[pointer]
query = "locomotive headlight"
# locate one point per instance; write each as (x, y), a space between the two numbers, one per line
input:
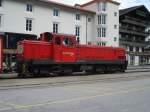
(20, 49)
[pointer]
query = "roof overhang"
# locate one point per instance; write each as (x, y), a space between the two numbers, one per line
(68, 6)
(94, 1)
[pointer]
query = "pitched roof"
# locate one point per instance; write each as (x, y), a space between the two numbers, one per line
(67, 6)
(124, 11)
(93, 1)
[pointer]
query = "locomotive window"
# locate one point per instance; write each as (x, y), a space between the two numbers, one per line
(50, 37)
(70, 42)
(67, 42)
(57, 40)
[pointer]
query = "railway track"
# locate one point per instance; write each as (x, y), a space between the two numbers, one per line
(83, 79)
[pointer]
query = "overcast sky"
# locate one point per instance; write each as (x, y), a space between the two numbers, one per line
(124, 3)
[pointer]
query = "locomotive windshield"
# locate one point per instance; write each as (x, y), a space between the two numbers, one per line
(67, 41)
(59, 39)
(48, 37)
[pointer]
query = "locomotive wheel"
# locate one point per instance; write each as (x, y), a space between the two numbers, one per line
(62, 70)
(93, 71)
(122, 69)
(64, 73)
(20, 75)
(24, 71)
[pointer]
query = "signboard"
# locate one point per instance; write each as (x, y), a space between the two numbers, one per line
(1, 54)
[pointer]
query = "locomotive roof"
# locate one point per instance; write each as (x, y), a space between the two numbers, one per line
(35, 42)
(60, 34)
(104, 47)
(65, 34)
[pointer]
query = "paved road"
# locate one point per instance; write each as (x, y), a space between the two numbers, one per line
(121, 95)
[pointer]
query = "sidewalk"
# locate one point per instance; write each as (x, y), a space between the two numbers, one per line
(8, 75)
(139, 67)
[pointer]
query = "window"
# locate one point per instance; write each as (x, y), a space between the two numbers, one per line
(115, 26)
(77, 32)
(99, 19)
(89, 19)
(143, 49)
(29, 8)
(55, 27)
(115, 13)
(101, 43)
(0, 3)
(48, 37)
(0, 21)
(101, 32)
(67, 42)
(131, 48)
(115, 39)
(102, 6)
(132, 60)
(78, 17)
(102, 19)
(29, 24)
(137, 49)
(120, 25)
(56, 12)
(57, 41)
(120, 36)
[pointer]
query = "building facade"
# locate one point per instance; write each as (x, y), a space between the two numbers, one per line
(106, 25)
(133, 34)
(96, 22)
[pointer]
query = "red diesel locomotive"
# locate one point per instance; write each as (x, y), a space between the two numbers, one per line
(60, 53)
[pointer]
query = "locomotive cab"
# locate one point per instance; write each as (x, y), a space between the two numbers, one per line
(64, 46)
(47, 37)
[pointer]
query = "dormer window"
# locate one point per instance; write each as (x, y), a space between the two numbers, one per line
(56, 12)
(102, 6)
(29, 8)
(78, 17)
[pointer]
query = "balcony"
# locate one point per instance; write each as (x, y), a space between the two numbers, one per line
(135, 21)
(129, 30)
(132, 42)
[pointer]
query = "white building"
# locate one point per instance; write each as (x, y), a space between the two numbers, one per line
(35, 17)
(96, 22)
(106, 22)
